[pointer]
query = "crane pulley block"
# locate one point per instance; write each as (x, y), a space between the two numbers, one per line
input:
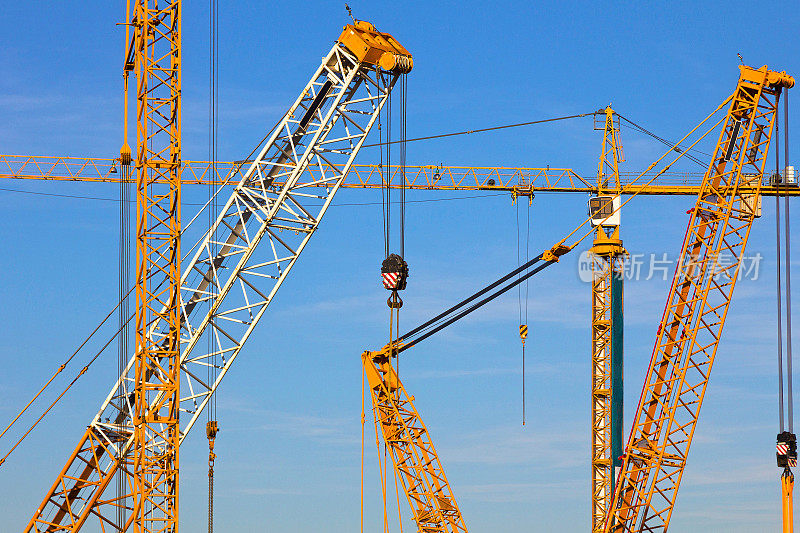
(376, 48)
(786, 450)
(394, 272)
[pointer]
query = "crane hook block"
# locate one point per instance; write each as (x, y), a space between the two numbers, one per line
(394, 272)
(786, 450)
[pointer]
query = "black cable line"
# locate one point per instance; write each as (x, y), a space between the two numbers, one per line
(482, 130)
(351, 204)
(778, 275)
(667, 143)
(787, 257)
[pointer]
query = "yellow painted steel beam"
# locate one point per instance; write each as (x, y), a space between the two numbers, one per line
(606, 257)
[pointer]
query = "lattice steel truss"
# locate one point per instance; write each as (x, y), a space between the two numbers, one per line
(604, 267)
(235, 272)
(606, 257)
(675, 384)
(413, 455)
(153, 473)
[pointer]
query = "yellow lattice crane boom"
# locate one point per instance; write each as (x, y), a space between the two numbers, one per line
(414, 457)
(702, 287)
(233, 274)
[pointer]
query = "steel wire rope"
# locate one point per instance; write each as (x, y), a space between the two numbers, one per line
(788, 256)
(778, 284)
(213, 144)
(66, 389)
(664, 141)
(482, 130)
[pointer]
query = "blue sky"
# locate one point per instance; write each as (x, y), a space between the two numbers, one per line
(289, 410)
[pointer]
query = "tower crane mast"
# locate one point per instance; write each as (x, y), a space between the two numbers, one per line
(240, 262)
(151, 469)
(701, 291)
(606, 256)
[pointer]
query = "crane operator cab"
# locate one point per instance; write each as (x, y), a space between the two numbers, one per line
(604, 211)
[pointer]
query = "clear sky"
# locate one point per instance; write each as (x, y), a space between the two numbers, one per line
(289, 446)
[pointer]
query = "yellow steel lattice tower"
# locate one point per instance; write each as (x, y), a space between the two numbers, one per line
(701, 291)
(606, 257)
(157, 49)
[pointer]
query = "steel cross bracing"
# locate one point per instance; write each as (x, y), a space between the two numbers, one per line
(258, 236)
(701, 291)
(153, 464)
(413, 456)
(606, 256)
(604, 267)
(370, 176)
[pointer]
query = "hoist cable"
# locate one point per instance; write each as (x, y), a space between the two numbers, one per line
(527, 254)
(778, 285)
(523, 319)
(213, 213)
(403, 136)
(124, 285)
(519, 305)
(384, 186)
(363, 421)
(527, 287)
(788, 257)
(519, 260)
(389, 176)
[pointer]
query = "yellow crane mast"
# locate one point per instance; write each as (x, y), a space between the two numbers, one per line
(606, 259)
(414, 457)
(151, 465)
(698, 302)
(156, 429)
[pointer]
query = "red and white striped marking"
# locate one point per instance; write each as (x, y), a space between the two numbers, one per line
(390, 279)
(782, 448)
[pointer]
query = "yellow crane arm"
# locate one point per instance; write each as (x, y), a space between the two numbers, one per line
(413, 455)
(104, 170)
(522, 181)
(691, 326)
